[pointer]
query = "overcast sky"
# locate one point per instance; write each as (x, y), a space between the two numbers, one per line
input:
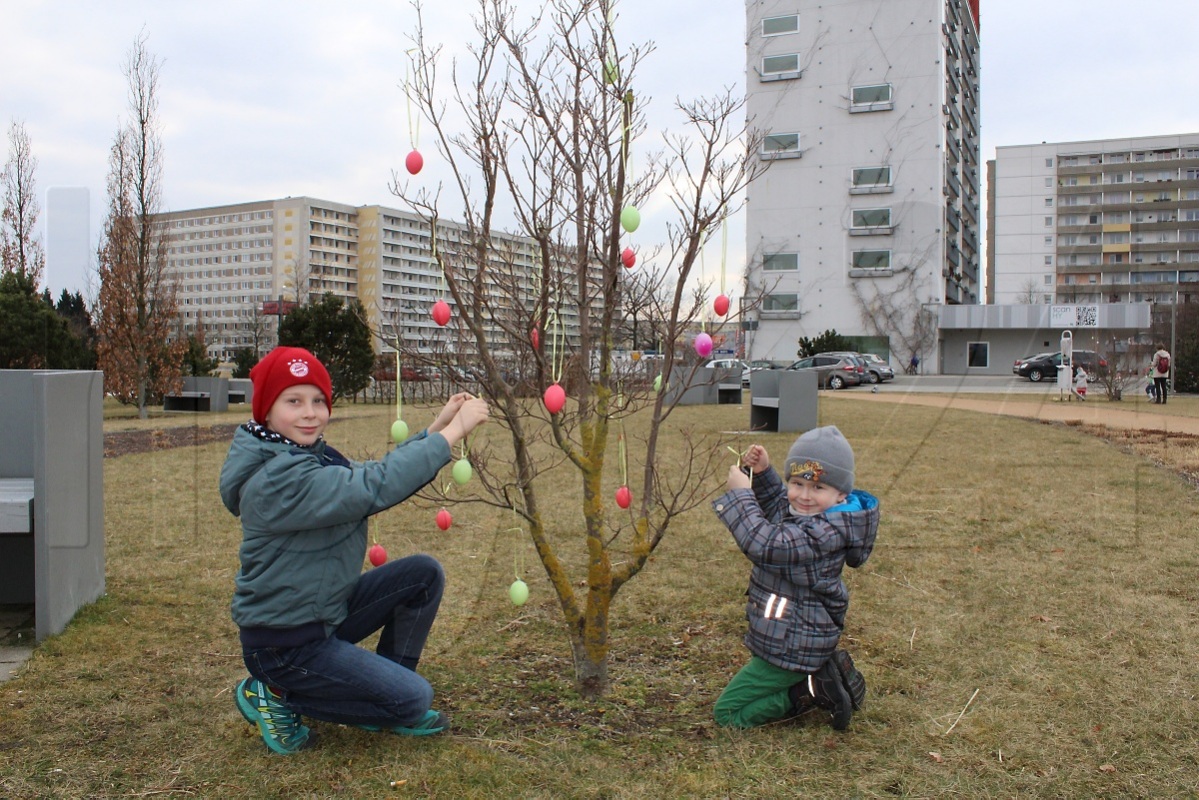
(261, 99)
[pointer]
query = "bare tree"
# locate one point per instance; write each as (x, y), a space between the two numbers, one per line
(1028, 292)
(21, 251)
(139, 352)
(551, 114)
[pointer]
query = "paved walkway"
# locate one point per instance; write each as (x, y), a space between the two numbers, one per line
(1024, 399)
(13, 619)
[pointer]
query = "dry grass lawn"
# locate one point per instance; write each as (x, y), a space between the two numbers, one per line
(1026, 626)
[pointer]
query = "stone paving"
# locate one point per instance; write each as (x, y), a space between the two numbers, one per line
(16, 626)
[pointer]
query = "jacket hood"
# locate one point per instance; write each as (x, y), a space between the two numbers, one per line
(247, 455)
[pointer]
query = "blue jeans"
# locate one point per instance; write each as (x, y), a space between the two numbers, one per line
(337, 681)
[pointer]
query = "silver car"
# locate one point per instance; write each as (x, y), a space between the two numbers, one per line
(832, 372)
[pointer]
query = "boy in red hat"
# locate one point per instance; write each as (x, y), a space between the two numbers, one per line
(302, 602)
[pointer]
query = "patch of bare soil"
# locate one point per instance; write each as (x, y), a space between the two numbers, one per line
(123, 443)
(1172, 450)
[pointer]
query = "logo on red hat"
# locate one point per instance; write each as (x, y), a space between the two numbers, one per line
(297, 367)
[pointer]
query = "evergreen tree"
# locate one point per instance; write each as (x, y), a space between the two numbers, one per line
(337, 334)
(34, 336)
(828, 342)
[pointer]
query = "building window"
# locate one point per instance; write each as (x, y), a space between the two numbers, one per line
(1049, 261)
(781, 262)
(1049, 162)
(1048, 280)
(978, 354)
(1048, 202)
(777, 26)
(781, 66)
(875, 97)
(870, 180)
(872, 218)
(780, 302)
(781, 145)
(1048, 222)
(1049, 241)
(871, 259)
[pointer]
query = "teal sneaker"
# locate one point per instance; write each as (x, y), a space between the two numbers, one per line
(279, 725)
(432, 722)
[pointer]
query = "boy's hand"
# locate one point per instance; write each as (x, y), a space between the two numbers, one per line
(757, 459)
(449, 411)
(738, 479)
(471, 414)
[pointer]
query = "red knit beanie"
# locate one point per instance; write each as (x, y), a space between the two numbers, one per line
(284, 367)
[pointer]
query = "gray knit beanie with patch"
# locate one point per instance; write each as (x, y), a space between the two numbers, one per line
(822, 455)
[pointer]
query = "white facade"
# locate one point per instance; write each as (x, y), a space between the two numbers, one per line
(868, 216)
(1106, 221)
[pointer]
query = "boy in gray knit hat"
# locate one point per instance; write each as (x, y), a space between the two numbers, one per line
(799, 535)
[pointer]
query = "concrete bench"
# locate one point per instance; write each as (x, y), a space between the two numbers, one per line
(16, 505)
(783, 400)
(51, 493)
(187, 401)
(699, 386)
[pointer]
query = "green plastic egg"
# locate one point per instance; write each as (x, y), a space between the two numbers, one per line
(462, 471)
(611, 73)
(630, 218)
(399, 431)
(658, 383)
(518, 592)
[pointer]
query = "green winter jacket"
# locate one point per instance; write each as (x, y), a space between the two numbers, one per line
(304, 522)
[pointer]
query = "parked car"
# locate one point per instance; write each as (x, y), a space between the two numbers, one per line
(858, 362)
(874, 369)
(880, 371)
(832, 372)
(765, 363)
(1045, 365)
(732, 363)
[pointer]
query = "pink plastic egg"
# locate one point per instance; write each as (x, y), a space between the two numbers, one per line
(414, 162)
(555, 398)
(441, 312)
(624, 497)
(703, 345)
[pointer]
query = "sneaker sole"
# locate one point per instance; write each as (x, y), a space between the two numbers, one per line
(245, 706)
(430, 717)
(251, 715)
(853, 680)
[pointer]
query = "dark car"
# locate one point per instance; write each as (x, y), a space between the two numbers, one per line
(832, 372)
(1045, 365)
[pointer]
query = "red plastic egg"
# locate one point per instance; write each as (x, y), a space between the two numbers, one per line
(721, 305)
(555, 398)
(414, 162)
(628, 258)
(377, 555)
(444, 520)
(624, 497)
(441, 312)
(535, 336)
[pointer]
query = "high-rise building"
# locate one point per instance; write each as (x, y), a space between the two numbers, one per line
(240, 268)
(868, 216)
(1110, 221)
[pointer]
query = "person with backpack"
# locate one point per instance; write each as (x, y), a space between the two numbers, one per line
(1159, 371)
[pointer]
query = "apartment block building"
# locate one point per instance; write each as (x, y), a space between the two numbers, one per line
(240, 268)
(868, 218)
(1105, 221)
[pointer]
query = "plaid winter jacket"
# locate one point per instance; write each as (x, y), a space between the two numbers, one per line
(797, 601)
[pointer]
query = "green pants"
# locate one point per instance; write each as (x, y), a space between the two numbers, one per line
(757, 694)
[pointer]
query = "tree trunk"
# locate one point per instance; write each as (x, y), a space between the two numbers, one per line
(591, 671)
